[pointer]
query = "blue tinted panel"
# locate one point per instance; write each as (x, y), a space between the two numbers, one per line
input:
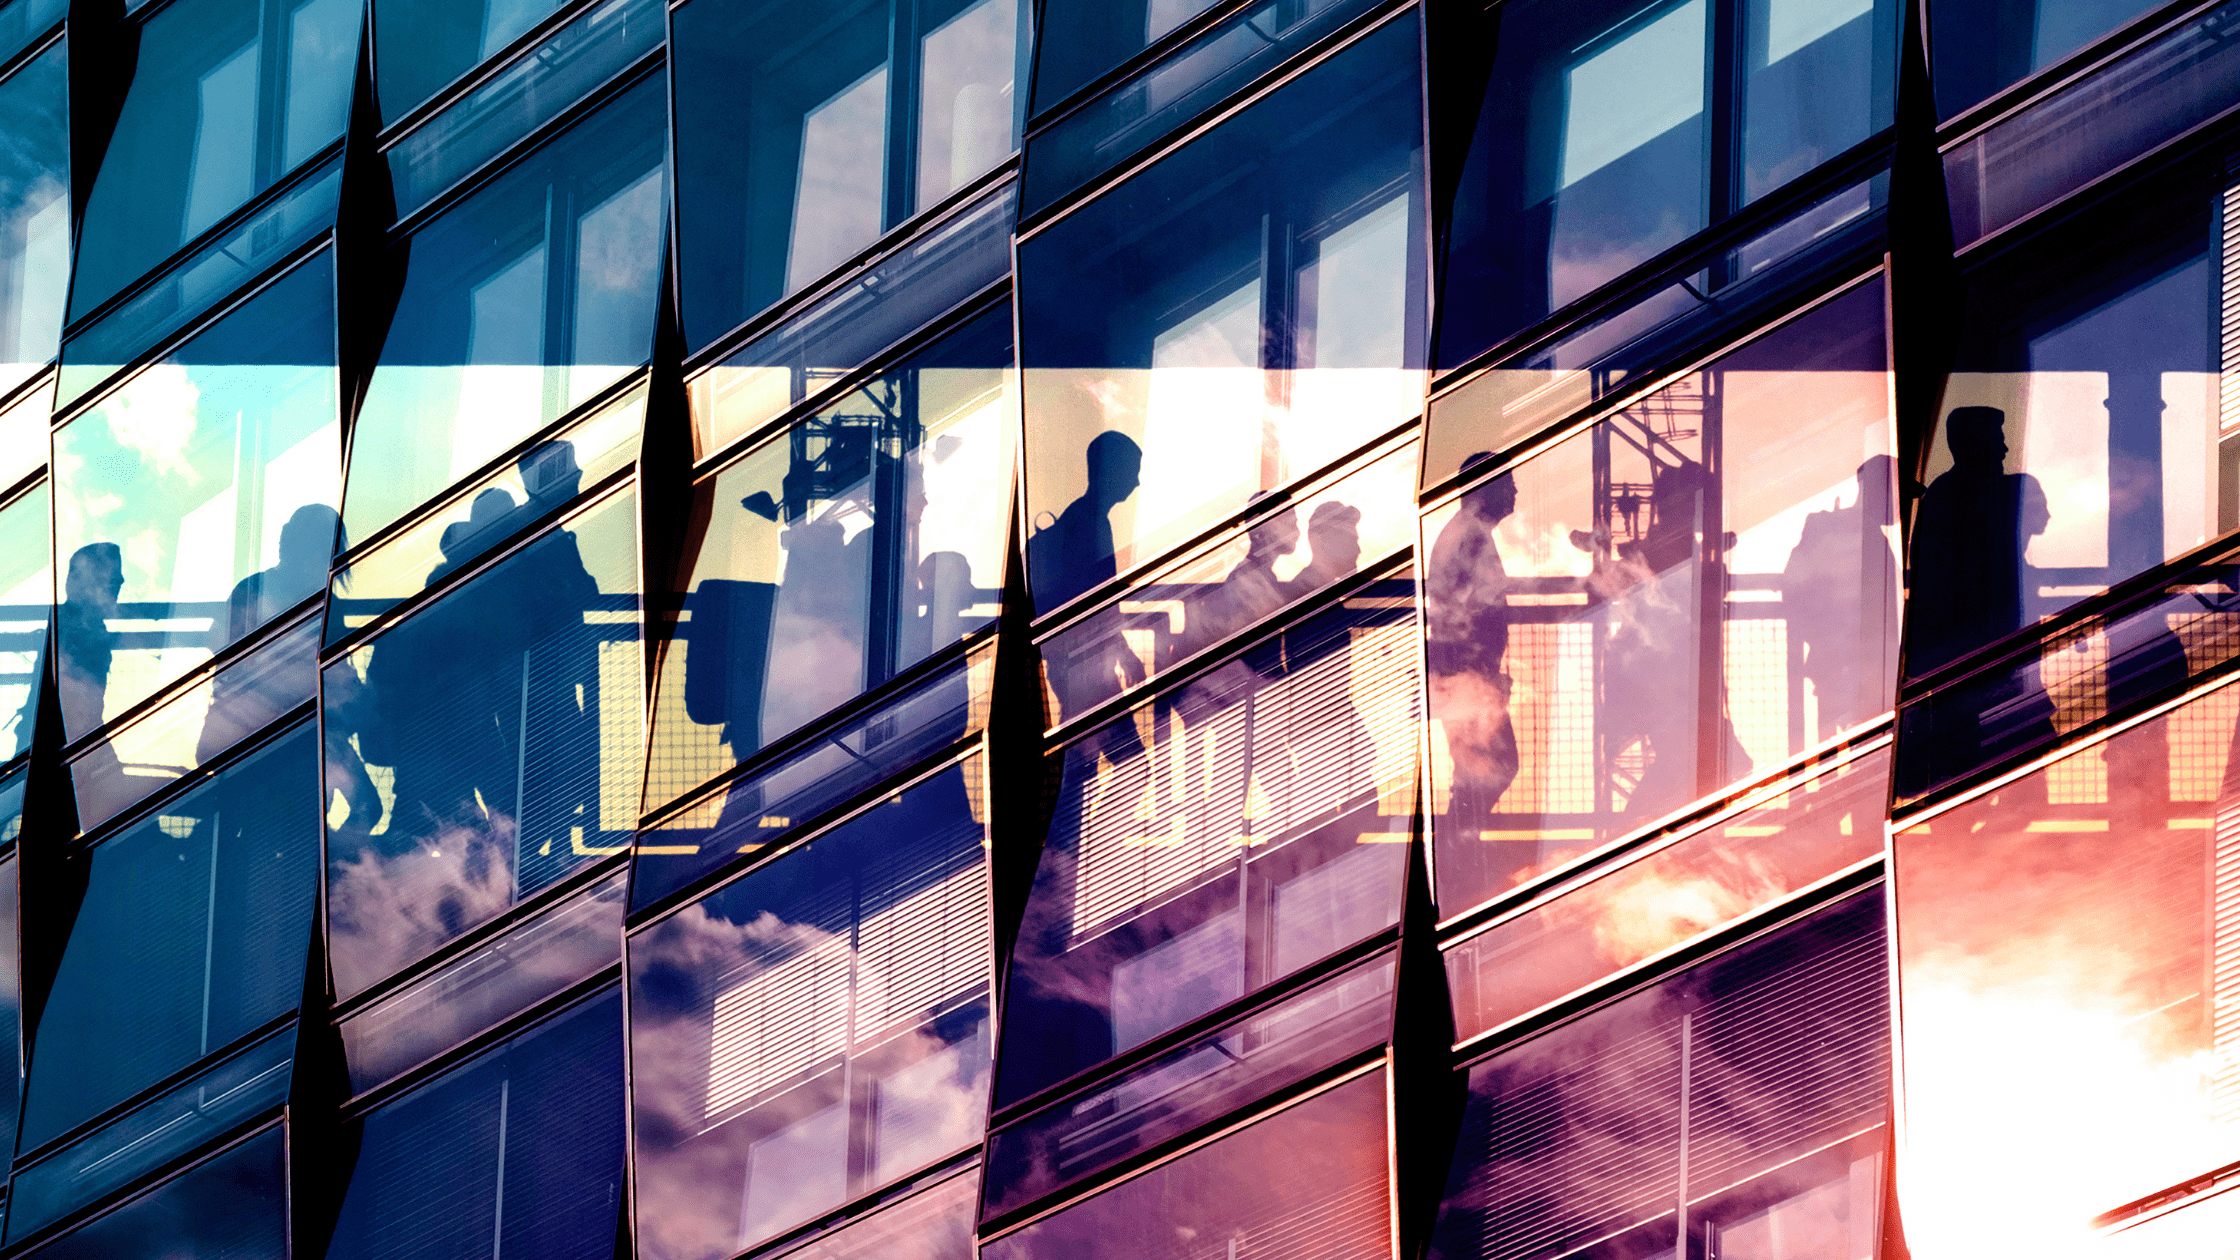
(1977, 47)
(196, 502)
(231, 1208)
(1082, 39)
(514, 1155)
(1219, 841)
(801, 136)
(519, 303)
(11, 805)
(191, 934)
(34, 207)
(862, 540)
(421, 45)
(11, 965)
(23, 21)
(815, 1030)
(1243, 314)
(26, 595)
(484, 747)
(227, 97)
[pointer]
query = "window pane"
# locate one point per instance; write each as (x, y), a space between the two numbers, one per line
(232, 1208)
(34, 214)
(1219, 841)
(196, 502)
(1979, 46)
(515, 1155)
(484, 747)
(861, 541)
(1600, 658)
(2061, 938)
(1813, 86)
(1329, 1201)
(1235, 318)
(11, 967)
(191, 934)
(933, 1225)
(1082, 39)
(1745, 1101)
(26, 589)
(23, 433)
(964, 117)
(2079, 439)
(26, 20)
(213, 118)
(422, 45)
(519, 304)
(815, 1030)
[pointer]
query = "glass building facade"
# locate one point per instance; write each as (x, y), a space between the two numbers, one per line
(1119, 629)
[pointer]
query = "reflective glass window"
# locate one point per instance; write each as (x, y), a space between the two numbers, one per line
(1744, 1102)
(23, 433)
(1219, 840)
(11, 976)
(935, 1224)
(816, 1029)
(804, 132)
(1702, 584)
(2079, 436)
(862, 540)
(24, 21)
(233, 1207)
(1310, 1180)
(2065, 936)
(1977, 47)
(1608, 135)
(484, 747)
(514, 1155)
(519, 304)
(1238, 316)
(1082, 39)
(421, 45)
(196, 501)
(11, 803)
(191, 934)
(34, 212)
(26, 586)
(227, 97)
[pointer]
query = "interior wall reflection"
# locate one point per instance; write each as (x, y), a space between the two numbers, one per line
(484, 747)
(196, 501)
(1977, 47)
(1612, 131)
(227, 97)
(1700, 585)
(1234, 318)
(805, 133)
(34, 214)
(421, 45)
(519, 304)
(235, 1204)
(26, 587)
(1217, 840)
(815, 1030)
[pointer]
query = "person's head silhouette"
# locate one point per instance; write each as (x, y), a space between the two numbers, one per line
(1334, 531)
(549, 472)
(1874, 490)
(1495, 501)
(95, 577)
(1977, 437)
(307, 540)
(1115, 467)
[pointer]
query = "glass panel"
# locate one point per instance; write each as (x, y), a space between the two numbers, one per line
(252, 1081)
(11, 965)
(528, 964)
(2079, 439)
(849, 327)
(24, 21)
(421, 45)
(1216, 841)
(1202, 1081)
(537, 87)
(201, 494)
(2061, 938)
(515, 1154)
(481, 516)
(213, 118)
(1743, 1102)
(175, 298)
(484, 747)
(935, 1224)
(1667, 896)
(760, 810)
(1318, 536)
(196, 725)
(2091, 127)
(34, 208)
(11, 810)
(1082, 39)
(1331, 1198)
(799, 141)
(1602, 654)
(1129, 118)
(2208, 1230)
(864, 539)
(232, 1208)
(1979, 46)
(26, 587)
(23, 433)
(816, 1029)
(1815, 82)
(1235, 318)
(191, 935)
(1508, 404)
(519, 304)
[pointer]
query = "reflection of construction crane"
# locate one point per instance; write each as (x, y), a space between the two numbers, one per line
(1655, 426)
(835, 452)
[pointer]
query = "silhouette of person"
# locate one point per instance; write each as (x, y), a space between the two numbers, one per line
(492, 511)
(1247, 593)
(1839, 592)
(307, 546)
(1466, 598)
(1974, 525)
(86, 646)
(1076, 553)
(1334, 544)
